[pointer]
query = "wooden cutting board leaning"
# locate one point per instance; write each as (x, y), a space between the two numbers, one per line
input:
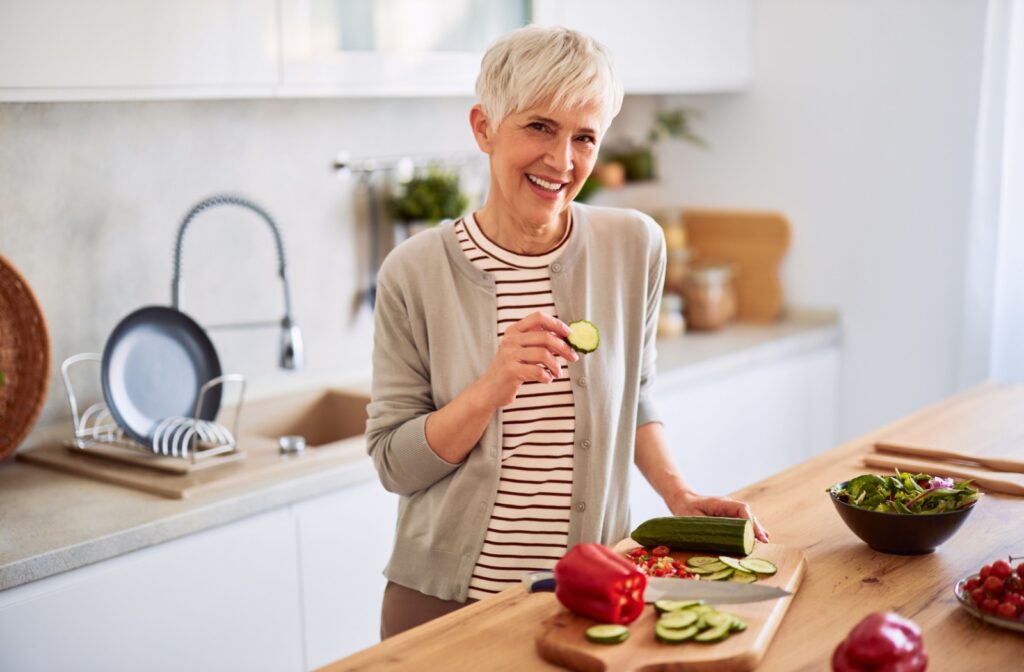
(561, 640)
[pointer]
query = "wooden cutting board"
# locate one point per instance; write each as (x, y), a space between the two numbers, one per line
(989, 423)
(754, 243)
(560, 639)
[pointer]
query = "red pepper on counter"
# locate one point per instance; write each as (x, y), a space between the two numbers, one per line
(594, 581)
(881, 643)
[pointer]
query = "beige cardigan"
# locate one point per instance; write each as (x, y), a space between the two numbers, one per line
(435, 334)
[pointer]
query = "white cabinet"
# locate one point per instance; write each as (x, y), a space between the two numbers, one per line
(223, 599)
(736, 429)
(344, 539)
(667, 46)
(123, 49)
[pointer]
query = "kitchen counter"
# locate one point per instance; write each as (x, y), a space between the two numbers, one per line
(52, 522)
(845, 579)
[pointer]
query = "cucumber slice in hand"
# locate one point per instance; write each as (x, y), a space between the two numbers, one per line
(607, 633)
(583, 336)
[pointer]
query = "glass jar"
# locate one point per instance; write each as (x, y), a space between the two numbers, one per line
(710, 300)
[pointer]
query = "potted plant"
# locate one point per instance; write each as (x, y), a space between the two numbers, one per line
(638, 159)
(426, 199)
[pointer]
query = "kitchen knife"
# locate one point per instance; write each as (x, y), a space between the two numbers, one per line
(661, 588)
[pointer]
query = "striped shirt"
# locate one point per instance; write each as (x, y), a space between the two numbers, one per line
(529, 525)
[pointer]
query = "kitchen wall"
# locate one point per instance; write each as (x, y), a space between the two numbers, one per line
(860, 127)
(92, 195)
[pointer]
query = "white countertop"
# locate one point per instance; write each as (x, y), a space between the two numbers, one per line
(51, 522)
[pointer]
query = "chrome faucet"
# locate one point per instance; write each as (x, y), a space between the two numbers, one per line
(291, 338)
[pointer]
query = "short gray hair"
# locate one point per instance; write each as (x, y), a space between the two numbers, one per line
(537, 63)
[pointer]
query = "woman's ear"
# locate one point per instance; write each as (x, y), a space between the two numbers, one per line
(481, 126)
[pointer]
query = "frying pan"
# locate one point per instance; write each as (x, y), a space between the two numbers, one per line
(154, 363)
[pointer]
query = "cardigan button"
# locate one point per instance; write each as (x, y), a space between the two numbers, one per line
(581, 506)
(556, 267)
(582, 381)
(585, 443)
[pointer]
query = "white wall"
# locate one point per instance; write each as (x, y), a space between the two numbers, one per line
(91, 195)
(860, 127)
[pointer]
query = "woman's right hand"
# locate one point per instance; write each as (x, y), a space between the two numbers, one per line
(528, 351)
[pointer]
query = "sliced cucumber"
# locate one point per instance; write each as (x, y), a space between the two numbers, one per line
(703, 609)
(715, 633)
(671, 636)
(701, 561)
(666, 606)
(738, 624)
(679, 619)
(732, 562)
(713, 619)
(743, 577)
(758, 565)
(583, 337)
(720, 575)
(709, 568)
(607, 633)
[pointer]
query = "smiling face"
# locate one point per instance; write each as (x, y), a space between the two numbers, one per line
(539, 159)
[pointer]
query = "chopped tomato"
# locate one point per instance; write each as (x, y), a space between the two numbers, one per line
(660, 551)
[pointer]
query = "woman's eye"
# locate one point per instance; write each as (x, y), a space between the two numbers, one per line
(539, 126)
(589, 139)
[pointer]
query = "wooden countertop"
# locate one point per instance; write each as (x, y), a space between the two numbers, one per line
(845, 579)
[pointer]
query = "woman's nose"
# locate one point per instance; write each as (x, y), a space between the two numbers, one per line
(560, 155)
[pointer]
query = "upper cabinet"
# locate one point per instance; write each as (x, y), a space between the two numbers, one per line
(125, 49)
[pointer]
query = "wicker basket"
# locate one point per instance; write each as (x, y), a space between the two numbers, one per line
(24, 358)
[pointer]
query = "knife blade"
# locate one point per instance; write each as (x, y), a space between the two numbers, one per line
(661, 588)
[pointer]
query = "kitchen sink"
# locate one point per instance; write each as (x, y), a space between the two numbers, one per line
(323, 417)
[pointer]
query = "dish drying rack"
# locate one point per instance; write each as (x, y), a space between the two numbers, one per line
(180, 444)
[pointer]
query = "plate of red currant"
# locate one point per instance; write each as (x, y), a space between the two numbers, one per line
(995, 594)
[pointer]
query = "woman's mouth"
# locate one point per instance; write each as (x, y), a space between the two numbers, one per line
(545, 188)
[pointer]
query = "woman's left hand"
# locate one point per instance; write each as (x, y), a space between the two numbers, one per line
(692, 504)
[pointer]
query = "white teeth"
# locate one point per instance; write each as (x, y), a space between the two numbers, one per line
(550, 186)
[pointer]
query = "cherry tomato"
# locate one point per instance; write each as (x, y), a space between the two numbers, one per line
(978, 595)
(1007, 610)
(662, 551)
(1001, 568)
(989, 605)
(1020, 570)
(639, 550)
(994, 585)
(971, 584)
(985, 571)
(1016, 599)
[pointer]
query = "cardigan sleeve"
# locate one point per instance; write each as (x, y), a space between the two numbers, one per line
(655, 286)
(401, 399)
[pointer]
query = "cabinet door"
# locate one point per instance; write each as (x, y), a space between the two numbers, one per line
(345, 541)
(729, 432)
(223, 599)
(390, 47)
(669, 46)
(120, 49)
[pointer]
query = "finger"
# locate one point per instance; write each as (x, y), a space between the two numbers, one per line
(533, 373)
(745, 512)
(547, 340)
(543, 357)
(542, 321)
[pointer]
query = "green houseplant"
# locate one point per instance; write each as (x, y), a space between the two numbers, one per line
(429, 198)
(638, 159)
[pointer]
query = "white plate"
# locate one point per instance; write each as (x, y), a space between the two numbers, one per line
(967, 603)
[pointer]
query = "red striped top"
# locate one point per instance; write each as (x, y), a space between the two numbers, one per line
(529, 525)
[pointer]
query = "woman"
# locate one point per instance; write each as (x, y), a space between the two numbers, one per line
(506, 446)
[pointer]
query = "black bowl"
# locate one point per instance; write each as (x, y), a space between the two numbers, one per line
(900, 533)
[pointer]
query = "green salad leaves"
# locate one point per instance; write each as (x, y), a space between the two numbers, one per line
(906, 493)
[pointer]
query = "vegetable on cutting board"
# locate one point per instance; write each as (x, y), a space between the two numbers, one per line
(881, 641)
(697, 533)
(583, 336)
(593, 580)
(696, 623)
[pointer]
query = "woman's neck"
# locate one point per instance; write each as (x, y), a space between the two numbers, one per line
(518, 236)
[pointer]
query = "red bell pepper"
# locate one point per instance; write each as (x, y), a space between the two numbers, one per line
(594, 581)
(881, 643)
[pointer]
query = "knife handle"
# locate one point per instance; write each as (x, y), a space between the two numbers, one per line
(537, 582)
